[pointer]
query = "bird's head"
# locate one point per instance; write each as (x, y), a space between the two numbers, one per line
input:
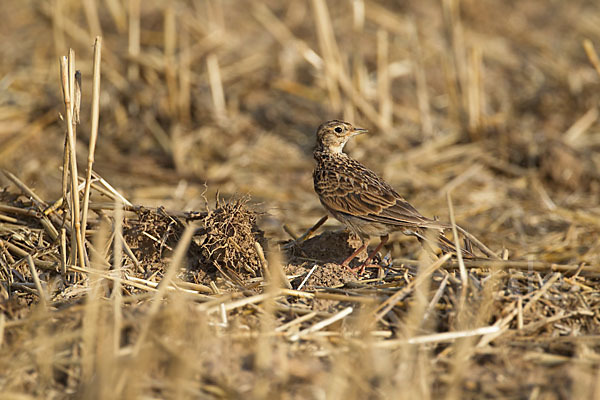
(333, 135)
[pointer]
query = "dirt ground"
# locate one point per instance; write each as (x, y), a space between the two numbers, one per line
(193, 271)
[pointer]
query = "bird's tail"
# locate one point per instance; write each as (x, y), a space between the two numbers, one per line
(431, 238)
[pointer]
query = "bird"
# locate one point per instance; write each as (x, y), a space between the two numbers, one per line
(358, 198)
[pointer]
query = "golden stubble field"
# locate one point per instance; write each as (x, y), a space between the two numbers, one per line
(185, 266)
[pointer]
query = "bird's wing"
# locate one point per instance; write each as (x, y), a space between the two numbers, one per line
(353, 189)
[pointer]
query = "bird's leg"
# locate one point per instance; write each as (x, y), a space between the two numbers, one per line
(357, 252)
(361, 268)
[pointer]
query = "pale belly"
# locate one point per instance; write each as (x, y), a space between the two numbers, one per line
(361, 227)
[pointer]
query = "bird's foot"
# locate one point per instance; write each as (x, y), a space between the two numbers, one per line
(357, 271)
(360, 270)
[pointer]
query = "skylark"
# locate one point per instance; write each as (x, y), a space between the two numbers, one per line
(357, 197)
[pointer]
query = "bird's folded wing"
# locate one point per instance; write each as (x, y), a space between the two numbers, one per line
(372, 203)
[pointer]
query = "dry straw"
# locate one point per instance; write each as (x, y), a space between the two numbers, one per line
(103, 297)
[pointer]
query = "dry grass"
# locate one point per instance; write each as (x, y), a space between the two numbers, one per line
(111, 288)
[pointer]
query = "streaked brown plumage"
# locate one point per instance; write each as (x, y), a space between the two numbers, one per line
(358, 198)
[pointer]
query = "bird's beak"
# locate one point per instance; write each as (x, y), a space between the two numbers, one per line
(360, 131)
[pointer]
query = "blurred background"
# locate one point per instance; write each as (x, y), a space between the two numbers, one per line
(493, 101)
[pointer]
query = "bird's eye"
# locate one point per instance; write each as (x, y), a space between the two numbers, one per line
(338, 130)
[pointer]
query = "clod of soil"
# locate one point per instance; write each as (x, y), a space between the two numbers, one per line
(230, 237)
(328, 250)
(328, 247)
(225, 242)
(152, 235)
